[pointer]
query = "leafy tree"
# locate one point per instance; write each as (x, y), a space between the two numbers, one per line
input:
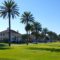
(59, 37)
(24, 37)
(9, 10)
(53, 36)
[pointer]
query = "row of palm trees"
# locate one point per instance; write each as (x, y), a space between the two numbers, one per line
(10, 10)
(30, 24)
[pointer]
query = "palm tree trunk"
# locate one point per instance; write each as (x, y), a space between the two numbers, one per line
(36, 37)
(27, 34)
(9, 30)
(27, 38)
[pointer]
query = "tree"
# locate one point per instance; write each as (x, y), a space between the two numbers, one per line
(59, 37)
(36, 28)
(27, 18)
(10, 10)
(44, 32)
(53, 36)
(24, 37)
(28, 28)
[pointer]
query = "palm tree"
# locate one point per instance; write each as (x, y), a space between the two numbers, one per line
(9, 9)
(36, 28)
(27, 18)
(28, 28)
(45, 33)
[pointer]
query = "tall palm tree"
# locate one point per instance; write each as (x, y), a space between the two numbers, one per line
(27, 18)
(36, 28)
(10, 10)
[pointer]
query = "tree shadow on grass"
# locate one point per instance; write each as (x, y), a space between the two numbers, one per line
(4, 47)
(46, 49)
(6, 59)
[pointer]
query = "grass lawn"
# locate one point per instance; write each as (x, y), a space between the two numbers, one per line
(47, 51)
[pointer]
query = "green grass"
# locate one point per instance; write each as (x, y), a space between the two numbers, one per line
(47, 51)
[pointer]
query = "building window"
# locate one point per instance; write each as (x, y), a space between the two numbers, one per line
(0, 34)
(3, 34)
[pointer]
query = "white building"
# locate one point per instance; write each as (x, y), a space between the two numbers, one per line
(15, 36)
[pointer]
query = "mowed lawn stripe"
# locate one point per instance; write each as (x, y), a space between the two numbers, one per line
(42, 51)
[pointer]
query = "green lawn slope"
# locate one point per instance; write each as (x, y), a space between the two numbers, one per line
(42, 51)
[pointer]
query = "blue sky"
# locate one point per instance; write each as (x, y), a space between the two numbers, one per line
(47, 12)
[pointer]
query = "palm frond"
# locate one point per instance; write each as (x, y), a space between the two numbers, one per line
(27, 17)
(9, 7)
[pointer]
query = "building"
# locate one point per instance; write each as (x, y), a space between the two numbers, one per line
(15, 36)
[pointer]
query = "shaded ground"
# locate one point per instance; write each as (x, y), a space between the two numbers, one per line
(5, 59)
(47, 49)
(4, 46)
